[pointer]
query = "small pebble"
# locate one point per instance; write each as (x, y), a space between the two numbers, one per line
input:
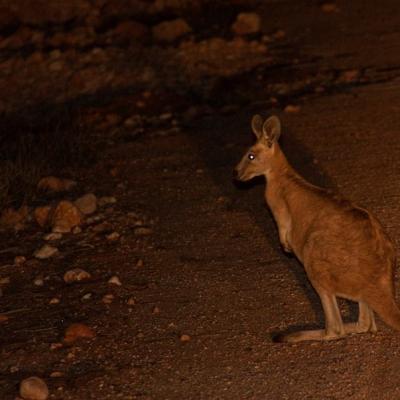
(290, 108)
(143, 231)
(3, 318)
(86, 296)
(113, 236)
(156, 310)
(106, 200)
(38, 282)
(165, 116)
(19, 260)
(54, 300)
(185, 338)
(108, 298)
(56, 374)
(114, 280)
(140, 263)
(78, 331)
(329, 7)
(131, 301)
(4, 281)
(76, 275)
(56, 346)
(52, 236)
(45, 251)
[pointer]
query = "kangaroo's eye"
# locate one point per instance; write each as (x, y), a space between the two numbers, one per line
(251, 156)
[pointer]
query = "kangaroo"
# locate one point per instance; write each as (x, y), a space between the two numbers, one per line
(343, 248)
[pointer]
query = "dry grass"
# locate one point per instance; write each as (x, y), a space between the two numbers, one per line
(41, 142)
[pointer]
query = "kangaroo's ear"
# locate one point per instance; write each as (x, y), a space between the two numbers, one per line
(272, 130)
(257, 125)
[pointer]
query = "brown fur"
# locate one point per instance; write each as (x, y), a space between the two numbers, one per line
(343, 248)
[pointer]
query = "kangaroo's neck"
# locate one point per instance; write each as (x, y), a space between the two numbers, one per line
(282, 182)
(279, 170)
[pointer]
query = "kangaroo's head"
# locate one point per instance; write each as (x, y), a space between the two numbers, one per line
(258, 159)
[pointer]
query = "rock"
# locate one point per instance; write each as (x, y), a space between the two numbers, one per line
(54, 300)
(130, 32)
(45, 251)
(114, 280)
(49, 237)
(3, 318)
(86, 297)
(53, 184)
(290, 108)
(246, 24)
(41, 215)
(165, 116)
(33, 388)
(56, 346)
(131, 301)
(19, 260)
(170, 31)
(76, 275)
(105, 200)
(78, 331)
(113, 236)
(143, 231)
(279, 34)
(102, 227)
(108, 298)
(156, 310)
(57, 374)
(329, 8)
(38, 281)
(5, 281)
(87, 204)
(140, 263)
(185, 338)
(65, 217)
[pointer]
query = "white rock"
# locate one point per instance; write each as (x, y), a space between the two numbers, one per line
(87, 204)
(76, 275)
(86, 296)
(114, 280)
(33, 388)
(38, 282)
(45, 251)
(52, 236)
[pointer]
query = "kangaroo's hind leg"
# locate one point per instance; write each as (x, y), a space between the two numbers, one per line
(366, 320)
(334, 328)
